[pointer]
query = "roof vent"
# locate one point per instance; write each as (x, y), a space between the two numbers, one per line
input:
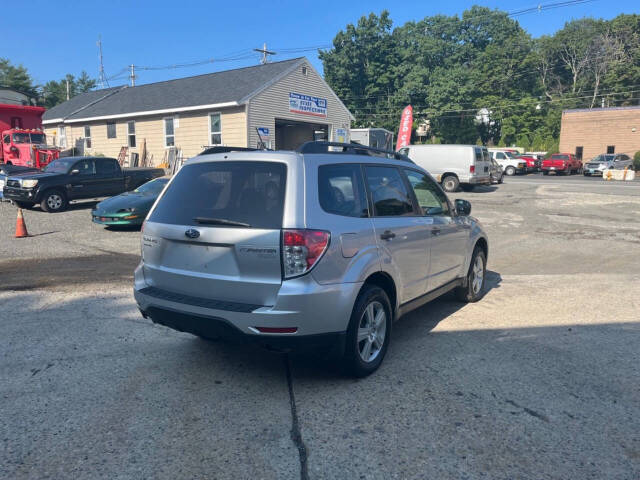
(305, 70)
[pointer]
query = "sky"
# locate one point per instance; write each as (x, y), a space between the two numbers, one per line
(61, 37)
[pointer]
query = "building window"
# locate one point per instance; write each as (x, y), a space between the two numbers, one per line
(87, 136)
(579, 153)
(305, 71)
(215, 129)
(169, 133)
(62, 137)
(131, 133)
(611, 149)
(111, 129)
(16, 122)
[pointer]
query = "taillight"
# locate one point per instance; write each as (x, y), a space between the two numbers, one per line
(301, 249)
(472, 169)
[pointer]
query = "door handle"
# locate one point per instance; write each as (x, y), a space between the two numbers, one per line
(387, 235)
(435, 231)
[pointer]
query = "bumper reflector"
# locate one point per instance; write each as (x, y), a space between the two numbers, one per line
(277, 329)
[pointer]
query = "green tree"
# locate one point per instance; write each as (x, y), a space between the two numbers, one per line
(55, 92)
(17, 77)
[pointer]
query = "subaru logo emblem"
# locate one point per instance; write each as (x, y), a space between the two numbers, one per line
(192, 233)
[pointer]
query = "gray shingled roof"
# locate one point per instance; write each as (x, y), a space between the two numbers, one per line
(212, 88)
(67, 108)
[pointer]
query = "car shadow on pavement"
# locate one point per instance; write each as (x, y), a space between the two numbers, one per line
(481, 189)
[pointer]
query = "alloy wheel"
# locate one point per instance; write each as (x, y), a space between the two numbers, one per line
(54, 201)
(477, 275)
(372, 330)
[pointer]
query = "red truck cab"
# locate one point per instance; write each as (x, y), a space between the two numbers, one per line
(27, 148)
(565, 163)
(22, 141)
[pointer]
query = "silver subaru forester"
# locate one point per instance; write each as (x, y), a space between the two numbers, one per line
(324, 246)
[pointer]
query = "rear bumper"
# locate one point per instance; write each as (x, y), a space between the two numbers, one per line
(220, 328)
(480, 181)
(320, 313)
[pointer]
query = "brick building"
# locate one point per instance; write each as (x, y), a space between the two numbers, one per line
(589, 132)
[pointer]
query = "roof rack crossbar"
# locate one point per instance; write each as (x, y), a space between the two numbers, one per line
(353, 148)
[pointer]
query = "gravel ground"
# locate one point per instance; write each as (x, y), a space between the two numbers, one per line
(539, 380)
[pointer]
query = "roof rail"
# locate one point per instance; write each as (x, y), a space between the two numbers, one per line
(353, 148)
(225, 149)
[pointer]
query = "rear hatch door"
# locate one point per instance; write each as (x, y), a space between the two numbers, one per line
(215, 232)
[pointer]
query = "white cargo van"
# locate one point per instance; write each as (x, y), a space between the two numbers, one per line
(453, 165)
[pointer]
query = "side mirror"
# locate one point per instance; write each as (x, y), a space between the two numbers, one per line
(75, 171)
(463, 207)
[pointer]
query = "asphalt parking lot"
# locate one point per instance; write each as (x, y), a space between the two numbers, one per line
(539, 380)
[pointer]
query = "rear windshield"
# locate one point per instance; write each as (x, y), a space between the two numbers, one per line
(560, 157)
(244, 194)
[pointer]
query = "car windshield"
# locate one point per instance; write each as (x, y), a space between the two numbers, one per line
(154, 187)
(603, 158)
(38, 138)
(21, 138)
(59, 166)
(510, 155)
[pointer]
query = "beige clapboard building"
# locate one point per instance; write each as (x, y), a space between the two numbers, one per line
(282, 104)
(590, 132)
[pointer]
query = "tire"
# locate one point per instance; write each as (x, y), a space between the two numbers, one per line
(545, 172)
(510, 171)
(450, 183)
(54, 201)
(586, 174)
(473, 288)
(25, 205)
(501, 178)
(371, 301)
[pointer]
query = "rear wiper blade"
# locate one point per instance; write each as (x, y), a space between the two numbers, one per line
(220, 221)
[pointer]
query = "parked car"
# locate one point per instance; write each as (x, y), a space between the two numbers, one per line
(129, 208)
(299, 250)
(497, 173)
(533, 163)
(565, 163)
(7, 169)
(617, 161)
(509, 162)
(453, 166)
(74, 178)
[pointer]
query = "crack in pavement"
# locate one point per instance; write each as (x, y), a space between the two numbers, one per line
(296, 434)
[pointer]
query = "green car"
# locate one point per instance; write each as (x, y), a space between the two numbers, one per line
(129, 208)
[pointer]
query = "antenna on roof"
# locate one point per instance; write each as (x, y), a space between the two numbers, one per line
(264, 53)
(102, 78)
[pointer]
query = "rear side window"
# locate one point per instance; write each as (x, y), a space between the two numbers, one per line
(479, 157)
(106, 166)
(341, 190)
(224, 193)
(388, 192)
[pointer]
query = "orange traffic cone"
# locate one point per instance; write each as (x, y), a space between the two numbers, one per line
(21, 227)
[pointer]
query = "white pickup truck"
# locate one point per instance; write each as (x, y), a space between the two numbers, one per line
(508, 161)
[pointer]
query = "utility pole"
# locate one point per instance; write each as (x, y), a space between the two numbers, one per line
(67, 89)
(102, 79)
(132, 75)
(264, 53)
